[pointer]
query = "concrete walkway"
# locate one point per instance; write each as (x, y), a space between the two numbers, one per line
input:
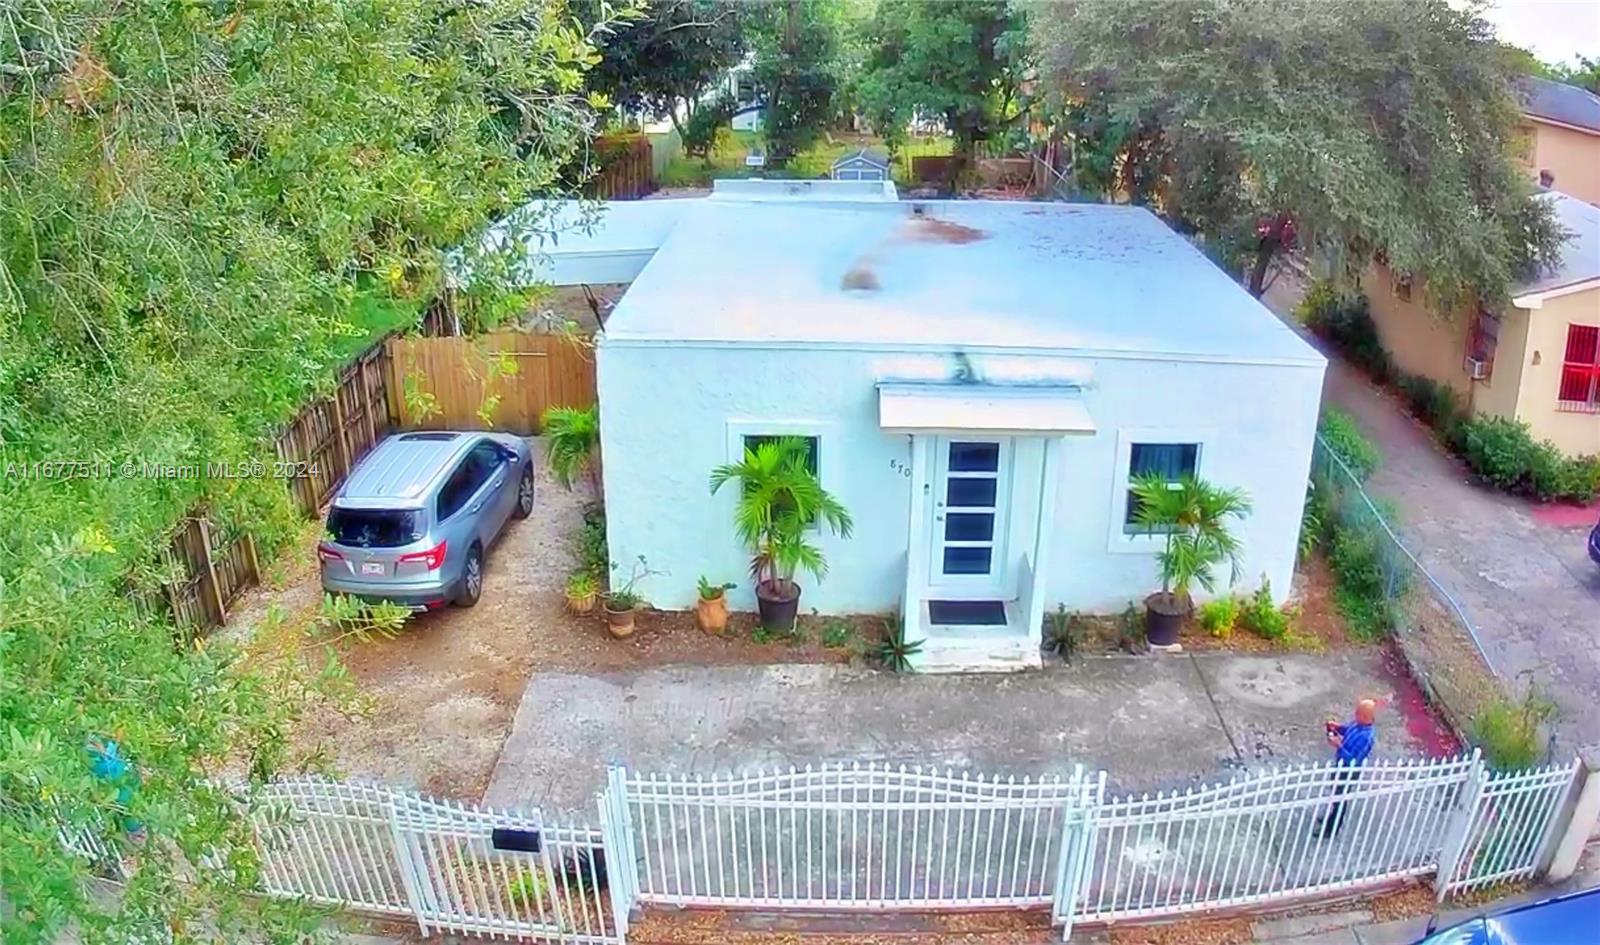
(1151, 722)
(1529, 587)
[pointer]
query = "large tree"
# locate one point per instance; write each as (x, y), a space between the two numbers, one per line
(962, 61)
(670, 58)
(800, 48)
(1360, 125)
(191, 193)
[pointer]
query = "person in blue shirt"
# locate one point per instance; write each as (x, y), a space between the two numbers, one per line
(1352, 744)
(108, 764)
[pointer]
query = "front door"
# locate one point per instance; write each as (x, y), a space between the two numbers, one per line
(972, 480)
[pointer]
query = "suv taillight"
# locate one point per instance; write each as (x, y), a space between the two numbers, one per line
(432, 559)
(328, 554)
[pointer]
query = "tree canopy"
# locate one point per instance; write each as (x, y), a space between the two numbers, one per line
(962, 61)
(1361, 125)
(192, 196)
(665, 61)
(800, 48)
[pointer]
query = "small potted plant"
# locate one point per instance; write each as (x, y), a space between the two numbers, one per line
(711, 609)
(624, 600)
(780, 502)
(583, 589)
(621, 605)
(1193, 515)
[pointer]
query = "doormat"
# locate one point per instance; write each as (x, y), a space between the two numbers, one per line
(967, 613)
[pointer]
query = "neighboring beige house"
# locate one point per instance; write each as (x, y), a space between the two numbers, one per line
(1538, 360)
(1561, 144)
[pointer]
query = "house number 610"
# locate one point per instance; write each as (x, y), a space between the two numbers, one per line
(900, 468)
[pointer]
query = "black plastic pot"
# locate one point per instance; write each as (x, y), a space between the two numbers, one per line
(1163, 618)
(778, 605)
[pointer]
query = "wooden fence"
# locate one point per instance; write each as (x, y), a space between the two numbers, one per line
(211, 568)
(508, 378)
(329, 435)
(626, 171)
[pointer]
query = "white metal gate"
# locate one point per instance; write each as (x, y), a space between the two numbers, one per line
(450, 867)
(851, 838)
(1512, 822)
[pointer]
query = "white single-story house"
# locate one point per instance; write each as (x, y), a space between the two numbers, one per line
(978, 381)
(861, 164)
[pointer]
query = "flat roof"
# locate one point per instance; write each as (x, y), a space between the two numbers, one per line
(965, 274)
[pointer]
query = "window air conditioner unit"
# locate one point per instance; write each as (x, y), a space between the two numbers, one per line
(1477, 369)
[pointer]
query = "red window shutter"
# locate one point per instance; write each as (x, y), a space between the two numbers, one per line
(1582, 344)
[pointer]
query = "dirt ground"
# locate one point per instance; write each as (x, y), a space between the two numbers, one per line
(445, 689)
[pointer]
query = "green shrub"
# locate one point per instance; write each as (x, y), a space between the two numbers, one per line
(1313, 521)
(1343, 320)
(1503, 453)
(1509, 732)
(589, 546)
(1343, 436)
(1219, 615)
(836, 633)
(1355, 561)
(1318, 305)
(1436, 404)
(1261, 617)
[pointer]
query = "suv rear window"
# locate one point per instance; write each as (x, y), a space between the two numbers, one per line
(375, 528)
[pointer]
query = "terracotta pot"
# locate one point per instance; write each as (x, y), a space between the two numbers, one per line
(778, 605)
(582, 605)
(1163, 618)
(712, 615)
(619, 622)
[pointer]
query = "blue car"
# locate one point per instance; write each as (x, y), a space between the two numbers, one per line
(1594, 543)
(1564, 920)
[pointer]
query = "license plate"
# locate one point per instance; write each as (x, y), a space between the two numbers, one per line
(372, 567)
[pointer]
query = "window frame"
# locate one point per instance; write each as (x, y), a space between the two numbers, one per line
(1591, 404)
(823, 432)
(1140, 541)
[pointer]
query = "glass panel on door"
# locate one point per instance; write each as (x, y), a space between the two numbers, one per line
(968, 526)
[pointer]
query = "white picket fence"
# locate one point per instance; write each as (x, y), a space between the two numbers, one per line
(870, 837)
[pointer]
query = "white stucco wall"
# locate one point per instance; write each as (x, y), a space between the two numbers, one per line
(670, 412)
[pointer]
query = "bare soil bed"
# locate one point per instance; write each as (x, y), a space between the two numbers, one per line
(444, 691)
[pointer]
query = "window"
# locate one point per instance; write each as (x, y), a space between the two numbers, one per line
(1171, 461)
(754, 441)
(1580, 370)
(374, 528)
(468, 477)
(1484, 339)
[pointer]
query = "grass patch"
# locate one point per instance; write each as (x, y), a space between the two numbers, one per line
(1510, 732)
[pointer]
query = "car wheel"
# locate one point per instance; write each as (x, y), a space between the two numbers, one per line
(471, 578)
(524, 495)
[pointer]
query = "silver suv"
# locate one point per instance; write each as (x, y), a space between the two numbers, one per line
(411, 523)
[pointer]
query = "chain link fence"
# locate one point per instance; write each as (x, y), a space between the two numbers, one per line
(1385, 590)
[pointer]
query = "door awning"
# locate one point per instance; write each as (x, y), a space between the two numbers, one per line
(985, 408)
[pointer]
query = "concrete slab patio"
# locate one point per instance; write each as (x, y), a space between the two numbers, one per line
(1150, 722)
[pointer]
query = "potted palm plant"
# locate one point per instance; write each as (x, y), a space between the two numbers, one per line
(572, 444)
(1194, 517)
(780, 499)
